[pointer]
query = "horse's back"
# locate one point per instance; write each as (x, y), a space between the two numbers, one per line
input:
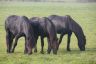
(11, 24)
(16, 24)
(43, 25)
(60, 22)
(11, 20)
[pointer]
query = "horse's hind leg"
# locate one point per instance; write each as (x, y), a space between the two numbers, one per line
(42, 45)
(68, 41)
(9, 40)
(15, 43)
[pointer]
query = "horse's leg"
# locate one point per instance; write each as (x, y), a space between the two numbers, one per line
(15, 43)
(35, 50)
(9, 40)
(29, 48)
(60, 40)
(42, 45)
(26, 50)
(29, 45)
(49, 46)
(68, 41)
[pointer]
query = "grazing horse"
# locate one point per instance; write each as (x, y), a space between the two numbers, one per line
(16, 27)
(66, 25)
(43, 27)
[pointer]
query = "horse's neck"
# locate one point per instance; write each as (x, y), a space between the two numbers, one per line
(77, 30)
(79, 34)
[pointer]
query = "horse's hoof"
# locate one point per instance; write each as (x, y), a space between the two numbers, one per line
(8, 51)
(82, 50)
(29, 53)
(35, 51)
(42, 52)
(48, 52)
(68, 50)
(25, 52)
(12, 51)
(54, 52)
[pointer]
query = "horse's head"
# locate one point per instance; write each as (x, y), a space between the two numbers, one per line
(55, 46)
(82, 43)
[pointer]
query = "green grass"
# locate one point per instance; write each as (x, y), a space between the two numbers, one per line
(83, 13)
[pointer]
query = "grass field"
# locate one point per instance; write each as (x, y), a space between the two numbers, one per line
(83, 13)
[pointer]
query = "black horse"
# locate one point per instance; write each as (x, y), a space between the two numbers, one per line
(66, 25)
(43, 27)
(16, 27)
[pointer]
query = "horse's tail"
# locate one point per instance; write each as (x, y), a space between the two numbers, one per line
(52, 30)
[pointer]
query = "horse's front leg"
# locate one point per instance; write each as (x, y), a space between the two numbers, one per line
(42, 45)
(29, 46)
(60, 40)
(25, 50)
(15, 43)
(49, 46)
(61, 37)
(35, 50)
(68, 41)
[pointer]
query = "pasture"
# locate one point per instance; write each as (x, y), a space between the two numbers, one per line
(83, 13)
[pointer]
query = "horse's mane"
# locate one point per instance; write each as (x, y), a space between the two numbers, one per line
(75, 27)
(72, 25)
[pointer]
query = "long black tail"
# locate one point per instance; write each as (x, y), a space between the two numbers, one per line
(52, 29)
